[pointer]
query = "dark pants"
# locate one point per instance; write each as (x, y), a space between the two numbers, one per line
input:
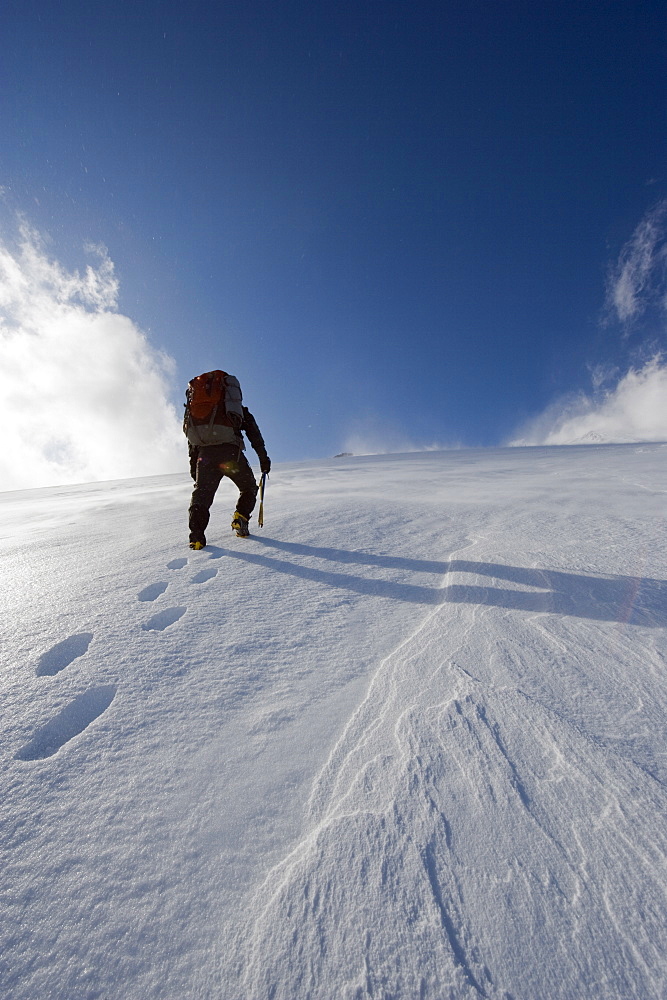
(213, 463)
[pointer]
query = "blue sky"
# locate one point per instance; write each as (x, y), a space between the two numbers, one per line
(389, 219)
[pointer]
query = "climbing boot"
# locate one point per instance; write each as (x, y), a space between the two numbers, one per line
(240, 525)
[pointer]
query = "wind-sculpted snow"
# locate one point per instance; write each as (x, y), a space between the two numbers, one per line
(470, 837)
(383, 749)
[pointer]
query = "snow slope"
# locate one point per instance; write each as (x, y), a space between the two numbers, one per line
(408, 741)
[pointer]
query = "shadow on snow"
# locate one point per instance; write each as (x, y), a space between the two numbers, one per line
(633, 600)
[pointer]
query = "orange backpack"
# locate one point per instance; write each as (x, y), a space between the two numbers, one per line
(213, 409)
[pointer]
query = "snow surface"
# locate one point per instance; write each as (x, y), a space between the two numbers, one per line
(408, 741)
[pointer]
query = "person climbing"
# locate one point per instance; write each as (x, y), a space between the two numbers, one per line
(215, 422)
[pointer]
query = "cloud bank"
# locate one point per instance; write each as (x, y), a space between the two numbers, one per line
(634, 410)
(83, 394)
(633, 406)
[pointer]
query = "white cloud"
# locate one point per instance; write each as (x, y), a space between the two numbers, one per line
(638, 279)
(634, 409)
(83, 394)
(630, 405)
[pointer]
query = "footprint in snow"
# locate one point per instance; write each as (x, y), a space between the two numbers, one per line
(163, 619)
(204, 575)
(177, 564)
(63, 653)
(152, 591)
(68, 723)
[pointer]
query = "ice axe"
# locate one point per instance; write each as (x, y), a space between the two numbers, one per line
(260, 516)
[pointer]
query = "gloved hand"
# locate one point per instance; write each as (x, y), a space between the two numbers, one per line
(265, 465)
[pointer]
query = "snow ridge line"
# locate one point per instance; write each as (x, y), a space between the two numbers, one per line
(449, 927)
(337, 761)
(329, 805)
(324, 789)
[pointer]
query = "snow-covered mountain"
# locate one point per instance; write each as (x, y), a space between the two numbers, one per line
(407, 741)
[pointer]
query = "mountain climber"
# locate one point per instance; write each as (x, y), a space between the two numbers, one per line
(209, 463)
